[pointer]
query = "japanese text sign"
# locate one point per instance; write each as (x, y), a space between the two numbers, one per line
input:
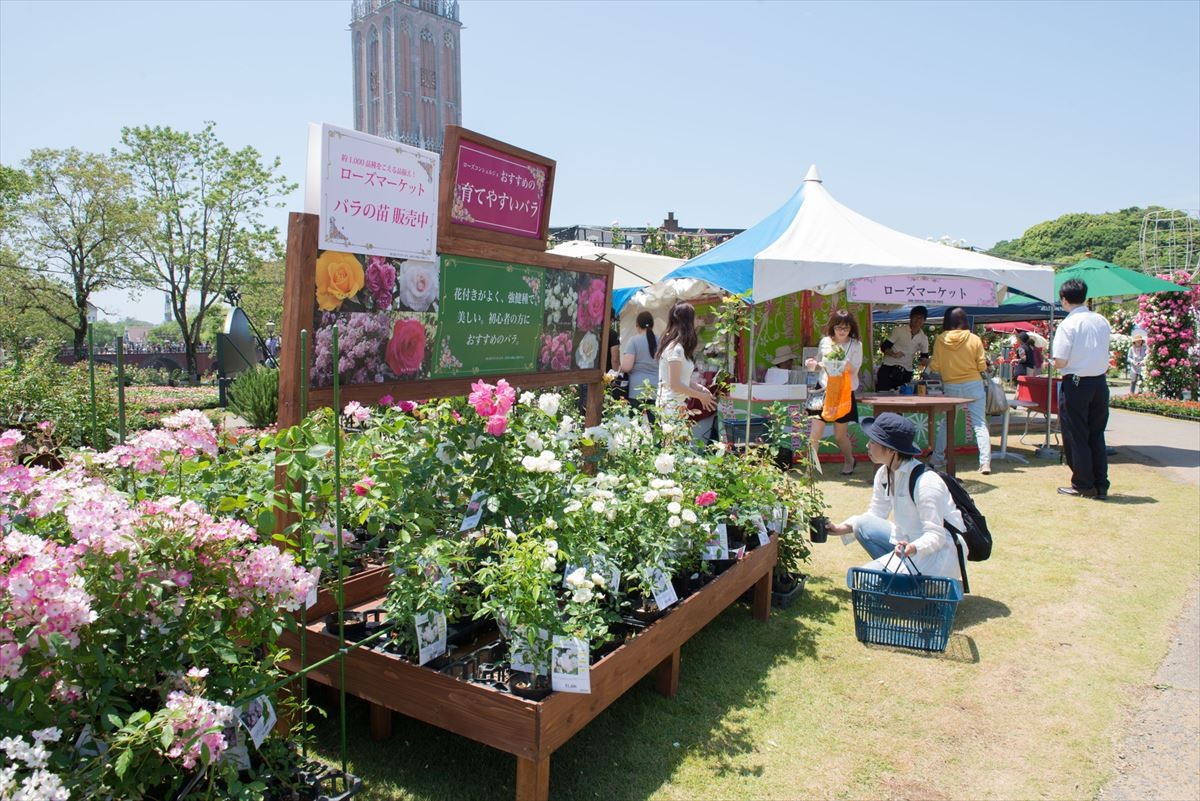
(493, 192)
(413, 320)
(498, 192)
(373, 195)
(910, 290)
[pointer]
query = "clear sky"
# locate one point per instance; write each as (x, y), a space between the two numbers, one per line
(973, 119)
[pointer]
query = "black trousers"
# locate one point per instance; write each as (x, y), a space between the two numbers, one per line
(890, 376)
(1083, 410)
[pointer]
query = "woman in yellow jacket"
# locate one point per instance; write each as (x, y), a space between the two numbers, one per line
(958, 357)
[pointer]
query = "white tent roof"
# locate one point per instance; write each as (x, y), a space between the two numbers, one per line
(632, 268)
(815, 243)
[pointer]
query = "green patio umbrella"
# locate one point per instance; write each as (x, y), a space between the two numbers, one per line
(1107, 280)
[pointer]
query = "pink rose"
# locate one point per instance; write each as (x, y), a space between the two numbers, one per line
(380, 280)
(497, 424)
(406, 406)
(386, 400)
(481, 399)
(406, 350)
(706, 498)
(363, 486)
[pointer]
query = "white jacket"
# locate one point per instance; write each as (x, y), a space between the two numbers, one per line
(919, 523)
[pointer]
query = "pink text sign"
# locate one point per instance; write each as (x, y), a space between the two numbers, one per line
(908, 290)
(498, 192)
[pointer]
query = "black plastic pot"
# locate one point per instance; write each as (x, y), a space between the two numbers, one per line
(783, 592)
(529, 686)
(816, 528)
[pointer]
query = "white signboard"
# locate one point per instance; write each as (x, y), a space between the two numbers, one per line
(373, 195)
(909, 290)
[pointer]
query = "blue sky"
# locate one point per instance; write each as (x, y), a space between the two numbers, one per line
(975, 120)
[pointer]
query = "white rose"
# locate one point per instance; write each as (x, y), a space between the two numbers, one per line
(534, 442)
(510, 536)
(673, 507)
(657, 483)
(573, 506)
(582, 595)
(418, 282)
(551, 523)
(549, 564)
(530, 463)
(598, 507)
(577, 577)
(549, 403)
(551, 547)
(598, 579)
(673, 521)
(650, 497)
(527, 398)
(588, 350)
(689, 516)
(664, 463)
(445, 453)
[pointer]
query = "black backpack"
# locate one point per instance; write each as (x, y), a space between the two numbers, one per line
(977, 536)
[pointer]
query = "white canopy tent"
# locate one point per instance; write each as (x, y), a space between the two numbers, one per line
(815, 243)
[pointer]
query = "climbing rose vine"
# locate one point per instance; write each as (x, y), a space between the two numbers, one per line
(1170, 323)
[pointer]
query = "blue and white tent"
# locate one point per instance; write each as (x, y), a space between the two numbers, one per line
(814, 243)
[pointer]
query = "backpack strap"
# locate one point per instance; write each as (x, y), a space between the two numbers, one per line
(913, 478)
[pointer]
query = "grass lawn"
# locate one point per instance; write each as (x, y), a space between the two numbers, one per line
(1069, 615)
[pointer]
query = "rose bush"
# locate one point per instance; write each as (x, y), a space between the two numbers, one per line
(1171, 323)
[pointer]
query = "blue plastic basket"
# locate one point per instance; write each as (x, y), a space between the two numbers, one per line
(906, 610)
(735, 429)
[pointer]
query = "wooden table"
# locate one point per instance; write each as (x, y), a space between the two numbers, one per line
(529, 730)
(929, 405)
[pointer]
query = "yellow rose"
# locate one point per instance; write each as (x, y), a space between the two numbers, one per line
(339, 276)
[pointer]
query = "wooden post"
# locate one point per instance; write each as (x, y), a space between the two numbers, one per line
(666, 675)
(762, 596)
(381, 722)
(533, 779)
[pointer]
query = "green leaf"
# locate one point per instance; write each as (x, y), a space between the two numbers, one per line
(319, 451)
(123, 763)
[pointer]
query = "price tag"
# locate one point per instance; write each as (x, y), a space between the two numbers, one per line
(570, 670)
(431, 636)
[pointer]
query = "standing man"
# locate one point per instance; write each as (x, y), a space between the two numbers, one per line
(1080, 352)
(905, 343)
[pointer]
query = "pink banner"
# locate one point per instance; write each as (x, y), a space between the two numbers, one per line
(498, 192)
(909, 290)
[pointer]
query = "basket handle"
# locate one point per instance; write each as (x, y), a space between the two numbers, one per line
(913, 565)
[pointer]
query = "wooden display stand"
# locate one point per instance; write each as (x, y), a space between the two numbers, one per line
(530, 730)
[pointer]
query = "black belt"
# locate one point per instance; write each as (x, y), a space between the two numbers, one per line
(1075, 378)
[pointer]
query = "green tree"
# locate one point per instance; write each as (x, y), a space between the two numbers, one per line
(262, 296)
(1114, 236)
(72, 236)
(679, 246)
(207, 202)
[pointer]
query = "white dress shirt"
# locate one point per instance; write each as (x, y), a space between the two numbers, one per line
(921, 523)
(907, 344)
(1082, 341)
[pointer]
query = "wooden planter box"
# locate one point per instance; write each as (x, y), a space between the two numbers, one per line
(530, 730)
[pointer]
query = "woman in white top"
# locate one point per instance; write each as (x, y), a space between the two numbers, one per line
(676, 366)
(842, 332)
(918, 529)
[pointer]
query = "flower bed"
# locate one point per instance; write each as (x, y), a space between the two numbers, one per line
(1183, 410)
(169, 585)
(172, 399)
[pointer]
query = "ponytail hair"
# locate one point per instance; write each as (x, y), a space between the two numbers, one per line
(645, 322)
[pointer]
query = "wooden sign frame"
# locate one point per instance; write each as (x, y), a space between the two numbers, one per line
(450, 231)
(300, 292)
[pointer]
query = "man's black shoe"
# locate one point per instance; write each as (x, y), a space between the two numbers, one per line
(1087, 493)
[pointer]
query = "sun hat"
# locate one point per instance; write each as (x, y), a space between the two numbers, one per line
(892, 431)
(1138, 333)
(782, 354)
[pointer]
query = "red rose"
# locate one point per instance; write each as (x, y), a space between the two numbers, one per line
(406, 350)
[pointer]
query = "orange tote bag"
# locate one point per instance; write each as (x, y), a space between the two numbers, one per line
(837, 397)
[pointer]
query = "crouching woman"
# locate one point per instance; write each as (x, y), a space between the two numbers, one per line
(917, 528)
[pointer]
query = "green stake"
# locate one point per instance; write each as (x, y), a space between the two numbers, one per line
(121, 390)
(92, 384)
(337, 533)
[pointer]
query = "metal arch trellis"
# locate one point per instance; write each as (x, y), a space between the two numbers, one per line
(1170, 241)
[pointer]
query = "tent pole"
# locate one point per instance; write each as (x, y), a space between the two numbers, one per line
(1046, 452)
(750, 375)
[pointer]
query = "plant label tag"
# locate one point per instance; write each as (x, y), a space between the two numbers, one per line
(474, 512)
(310, 600)
(848, 537)
(738, 552)
(570, 671)
(258, 717)
(520, 657)
(761, 528)
(431, 636)
(717, 546)
(236, 753)
(664, 590)
(602, 565)
(779, 518)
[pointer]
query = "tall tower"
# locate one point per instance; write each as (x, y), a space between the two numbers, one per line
(407, 70)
